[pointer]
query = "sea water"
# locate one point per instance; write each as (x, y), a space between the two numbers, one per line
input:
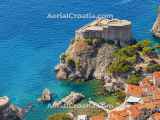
(30, 44)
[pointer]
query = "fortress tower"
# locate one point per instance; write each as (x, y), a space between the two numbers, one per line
(118, 31)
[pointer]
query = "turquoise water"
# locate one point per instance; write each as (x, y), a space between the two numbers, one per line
(30, 43)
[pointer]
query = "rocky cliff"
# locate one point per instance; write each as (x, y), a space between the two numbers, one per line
(85, 59)
(156, 26)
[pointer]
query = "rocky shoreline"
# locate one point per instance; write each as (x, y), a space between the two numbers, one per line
(106, 60)
(46, 96)
(69, 100)
(86, 63)
(9, 111)
(117, 66)
(97, 58)
(156, 25)
(87, 58)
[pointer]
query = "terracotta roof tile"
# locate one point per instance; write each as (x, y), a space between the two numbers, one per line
(134, 90)
(146, 82)
(134, 110)
(156, 75)
(98, 117)
(156, 116)
(151, 100)
(118, 115)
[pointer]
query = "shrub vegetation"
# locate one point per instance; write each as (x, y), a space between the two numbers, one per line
(127, 57)
(60, 116)
(134, 79)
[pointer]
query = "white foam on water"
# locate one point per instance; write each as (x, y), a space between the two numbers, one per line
(123, 2)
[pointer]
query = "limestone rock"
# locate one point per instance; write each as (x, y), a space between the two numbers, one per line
(103, 59)
(61, 71)
(90, 61)
(9, 111)
(90, 52)
(156, 27)
(71, 99)
(112, 84)
(46, 96)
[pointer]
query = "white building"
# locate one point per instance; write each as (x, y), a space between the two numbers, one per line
(134, 100)
(82, 117)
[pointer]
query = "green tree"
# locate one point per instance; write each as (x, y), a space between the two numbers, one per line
(71, 62)
(134, 79)
(152, 67)
(119, 67)
(144, 43)
(89, 41)
(147, 51)
(120, 95)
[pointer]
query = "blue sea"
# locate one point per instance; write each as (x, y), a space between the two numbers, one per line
(30, 43)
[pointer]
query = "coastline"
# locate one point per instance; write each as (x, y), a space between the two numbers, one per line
(27, 37)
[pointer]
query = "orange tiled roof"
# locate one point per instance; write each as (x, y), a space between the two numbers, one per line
(98, 117)
(146, 82)
(118, 115)
(143, 89)
(156, 75)
(134, 110)
(157, 94)
(156, 116)
(134, 90)
(151, 102)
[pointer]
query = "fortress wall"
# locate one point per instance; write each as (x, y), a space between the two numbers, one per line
(94, 34)
(88, 34)
(120, 34)
(79, 35)
(116, 33)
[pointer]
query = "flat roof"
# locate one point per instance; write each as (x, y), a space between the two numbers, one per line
(84, 117)
(99, 24)
(116, 22)
(97, 28)
(133, 99)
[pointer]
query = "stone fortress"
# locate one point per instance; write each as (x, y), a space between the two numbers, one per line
(118, 31)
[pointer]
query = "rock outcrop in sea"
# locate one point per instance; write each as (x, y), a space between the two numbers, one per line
(9, 111)
(91, 51)
(85, 61)
(71, 99)
(156, 26)
(46, 96)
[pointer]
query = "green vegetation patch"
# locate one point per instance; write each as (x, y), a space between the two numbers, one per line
(127, 57)
(152, 67)
(134, 79)
(114, 99)
(95, 41)
(59, 116)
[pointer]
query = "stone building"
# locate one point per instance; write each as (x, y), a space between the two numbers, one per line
(118, 31)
